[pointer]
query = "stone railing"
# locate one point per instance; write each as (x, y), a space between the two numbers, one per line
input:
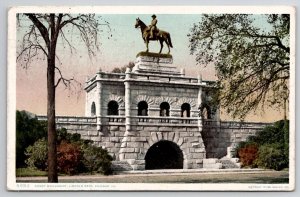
(234, 124)
(71, 119)
(164, 120)
(115, 119)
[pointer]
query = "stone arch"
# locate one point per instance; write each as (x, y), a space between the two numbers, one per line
(93, 109)
(113, 108)
(205, 111)
(167, 136)
(146, 98)
(142, 108)
(164, 109)
(185, 110)
(117, 98)
(164, 154)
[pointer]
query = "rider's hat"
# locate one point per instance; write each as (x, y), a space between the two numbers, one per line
(153, 16)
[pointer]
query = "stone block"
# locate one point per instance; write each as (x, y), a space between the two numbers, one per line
(146, 145)
(154, 137)
(176, 138)
(130, 155)
(159, 136)
(114, 139)
(196, 145)
(194, 139)
(118, 134)
(210, 161)
(123, 145)
(165, 135)
(180, 141)
(171, 136)
(165, 129)
(198, 155)
(138, 167)
(151, 128)
(113, 128)
(199, 150)
(127, 150)
(184, 134)
(179, 129)
(138, 139)
(133, 144)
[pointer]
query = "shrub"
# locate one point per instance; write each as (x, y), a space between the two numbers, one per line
(248, 154)
(97, 159)
(28, 130)
(272, 156)
(37, 155)
(68, 157)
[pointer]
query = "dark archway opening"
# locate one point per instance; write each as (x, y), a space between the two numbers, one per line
(93, 109)
(185, 110)
(164, 109)
(164, 155)
(142, 108)
(113, 108)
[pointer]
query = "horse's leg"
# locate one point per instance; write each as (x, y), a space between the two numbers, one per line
(168, 47)
(147, 43)
(161, 45)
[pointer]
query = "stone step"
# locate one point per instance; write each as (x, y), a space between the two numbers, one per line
(120, 166)
(227, 163)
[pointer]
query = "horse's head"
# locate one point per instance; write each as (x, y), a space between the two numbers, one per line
(137, 23)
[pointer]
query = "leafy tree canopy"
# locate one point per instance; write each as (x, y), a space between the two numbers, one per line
(251, 55)
(123, 68)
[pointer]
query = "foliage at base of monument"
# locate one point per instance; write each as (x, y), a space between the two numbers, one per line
(74, 155)
(28, 130)
(69, 157)
(251, 55)
(272, 148)
(248, 155)
(31, 148)
(96, 159)
(37, 154)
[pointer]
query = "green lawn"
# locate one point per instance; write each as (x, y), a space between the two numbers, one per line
(27, 172)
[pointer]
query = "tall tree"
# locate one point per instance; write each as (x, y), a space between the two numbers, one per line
(251, 55)
(42, 37)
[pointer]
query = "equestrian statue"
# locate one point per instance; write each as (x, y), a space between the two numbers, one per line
(151, 32)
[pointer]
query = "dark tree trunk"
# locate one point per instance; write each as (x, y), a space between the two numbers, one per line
(52, 153)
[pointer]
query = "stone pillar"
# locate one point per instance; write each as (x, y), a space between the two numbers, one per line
(99, 113)
(200, 100)
(87, 107)
(127, 101)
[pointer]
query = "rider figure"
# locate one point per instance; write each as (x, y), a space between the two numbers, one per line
(152, 26)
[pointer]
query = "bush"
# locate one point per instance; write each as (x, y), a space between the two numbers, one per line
(28, 130)
(68, 157)
(272, 145)
(97, 159)
(272, 156)
(37, 155)
(248, 155)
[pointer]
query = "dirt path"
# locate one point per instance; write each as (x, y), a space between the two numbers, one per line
(176, 177)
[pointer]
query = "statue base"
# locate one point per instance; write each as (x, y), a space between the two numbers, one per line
(155, 63)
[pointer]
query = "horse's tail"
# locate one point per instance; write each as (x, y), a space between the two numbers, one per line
(169, 40)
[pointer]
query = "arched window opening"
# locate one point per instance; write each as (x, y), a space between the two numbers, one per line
(142, 108)
(93, 109)
(164, 109)
(113, 108)
(205, 111)
(185, 110)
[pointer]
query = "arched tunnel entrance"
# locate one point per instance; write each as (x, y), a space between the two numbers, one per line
(164, 155)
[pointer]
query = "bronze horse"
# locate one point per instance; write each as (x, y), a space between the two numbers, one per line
(160, 35)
